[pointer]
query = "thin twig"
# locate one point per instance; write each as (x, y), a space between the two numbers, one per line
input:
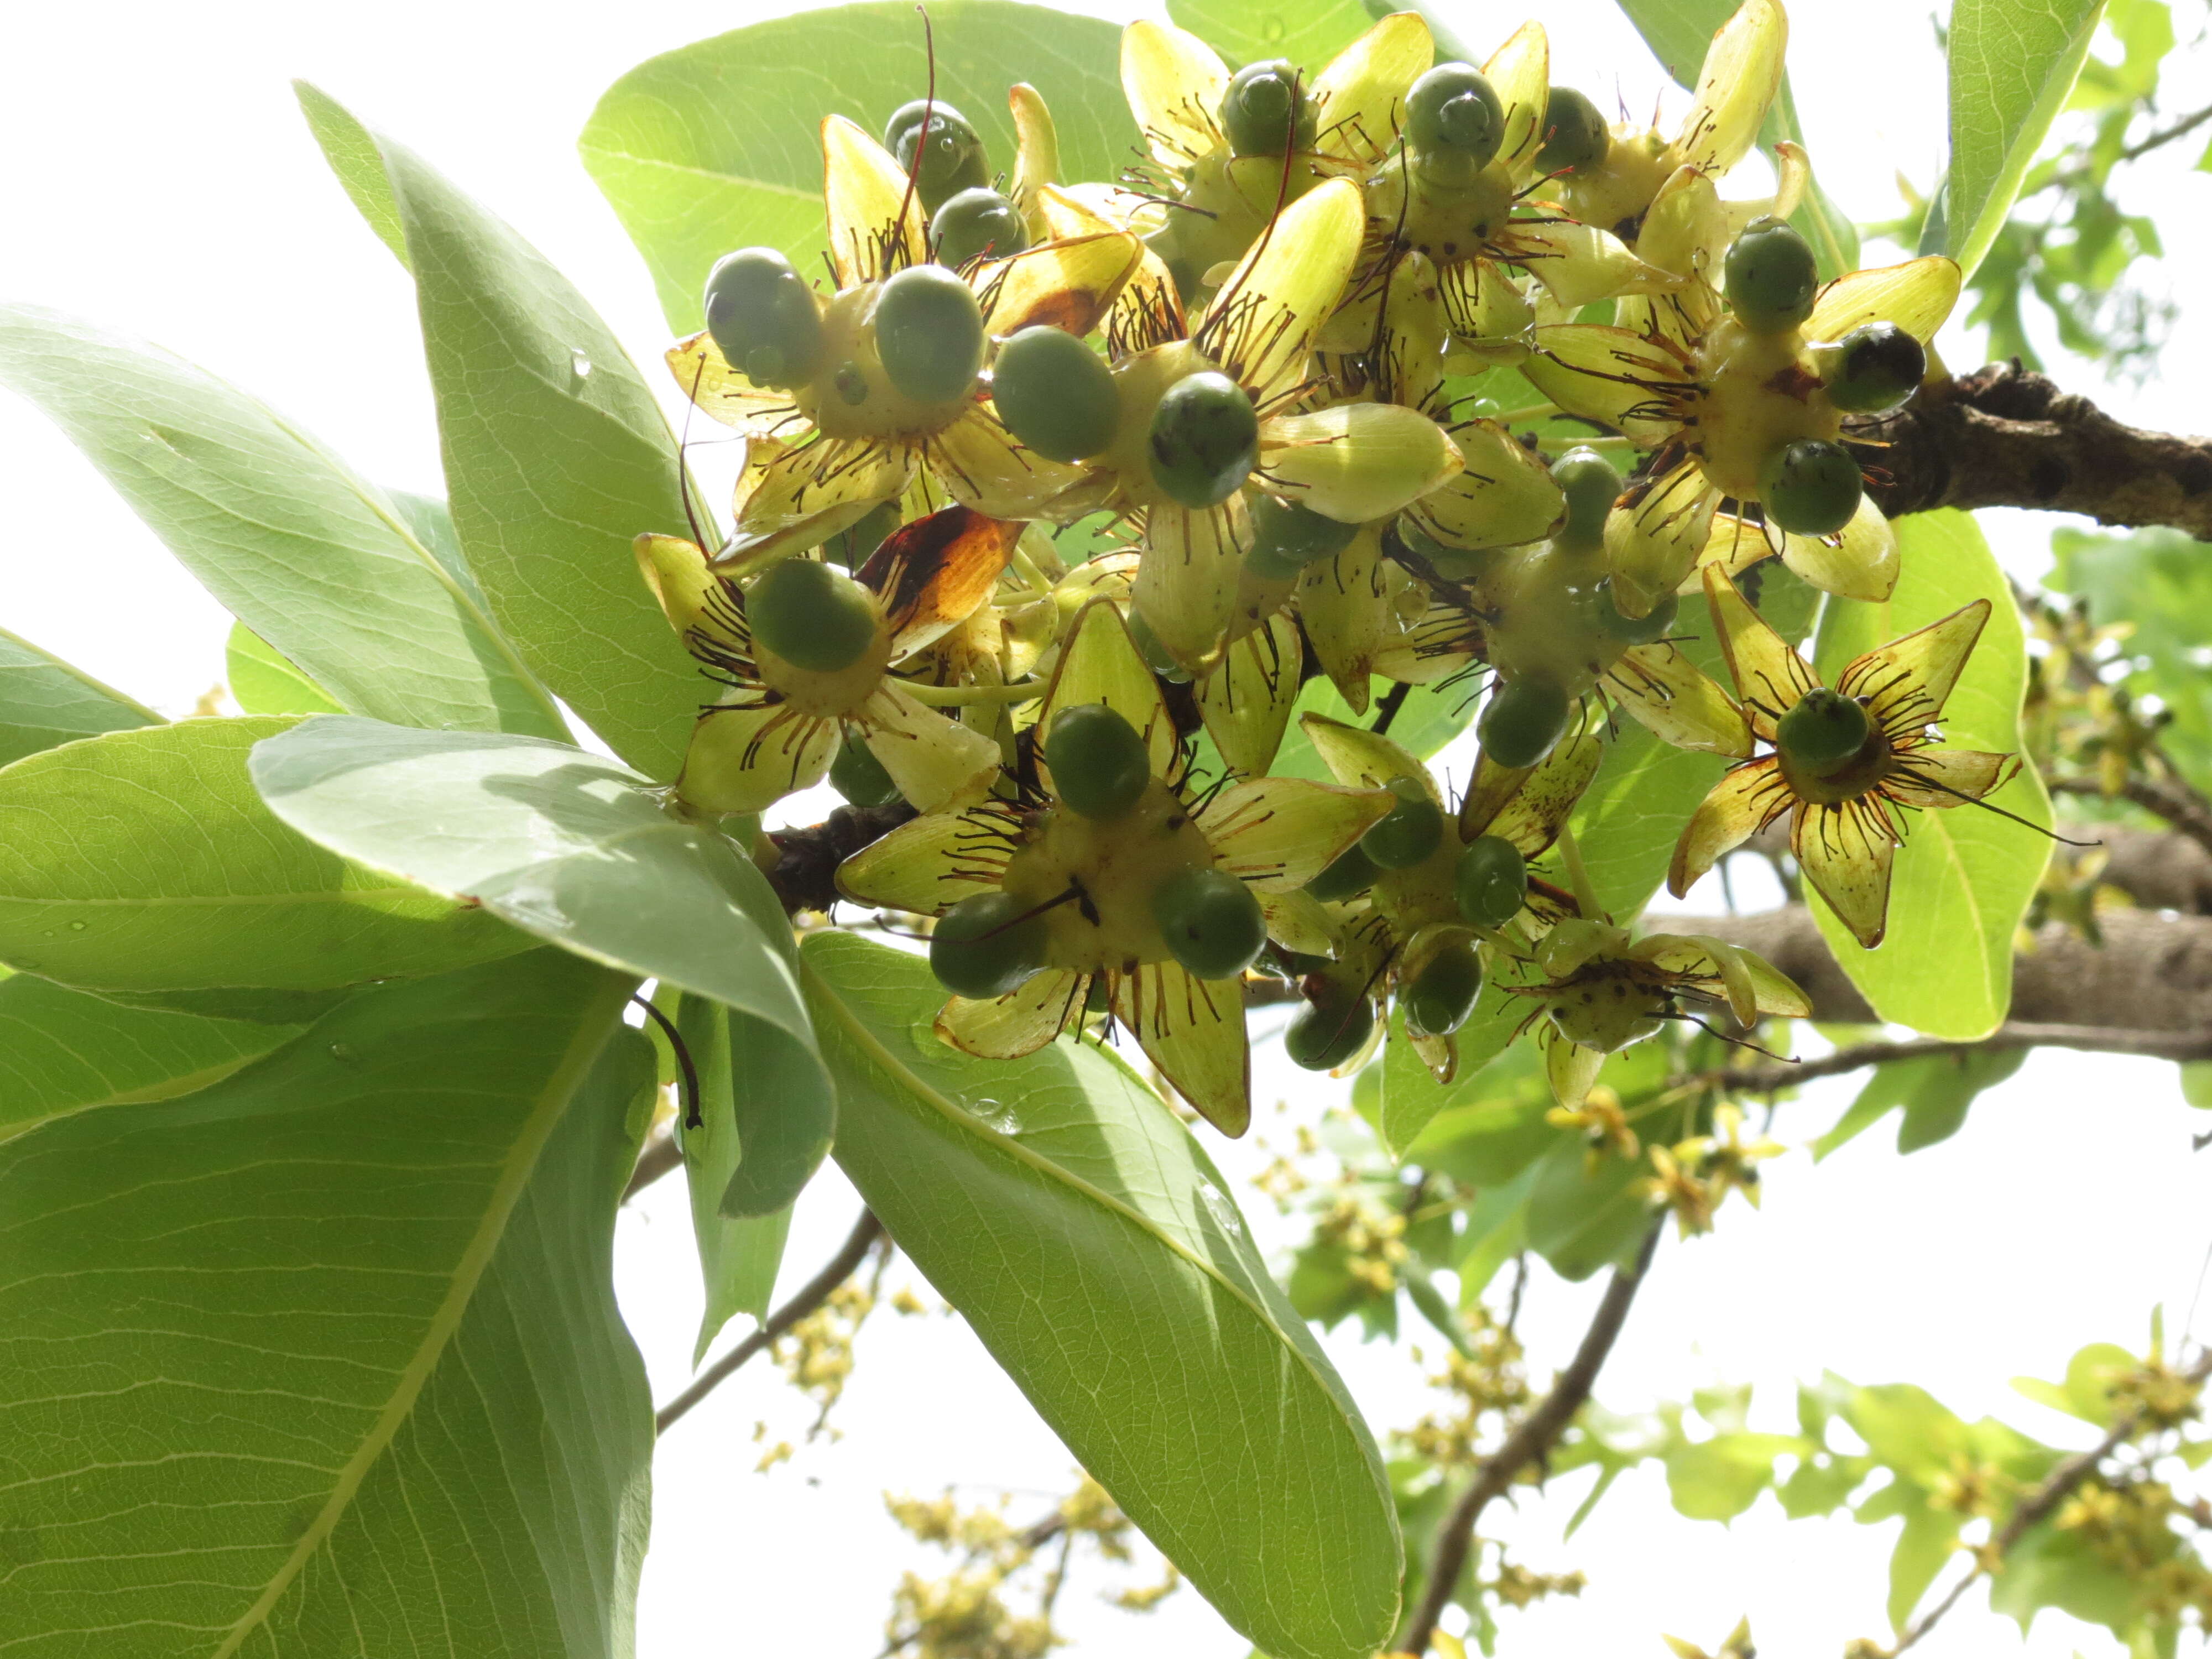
(2166, 135)
(2099, 1039)
(2180, 806)
(1530, 1442)
(816, 1292)
(2057, 1487)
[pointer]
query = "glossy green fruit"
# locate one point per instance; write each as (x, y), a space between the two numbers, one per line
(1770, 277)
(1408, 832)
(974, 223)
(1205, 439)
(811, 615)
(852, 545)
(859, 776)
(1810, 488)
(1056, 394)
(1521, 721)
(1286, 535)
(1443, 994)
(1454, 107)
(1590, 485)
(1576, 135)
(929, 334)
(952, 153)
(1264, 106)
(1212, 922)
(1329, 1032)
(1154, 651)
(1823, 730)
(1635, 631)
(1353, 873)
(1491, 881)
(1874, 368)
(1099, 764)
(985, 946)
(763, 318)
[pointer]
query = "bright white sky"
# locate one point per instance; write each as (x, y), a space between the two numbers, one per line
(165, 185)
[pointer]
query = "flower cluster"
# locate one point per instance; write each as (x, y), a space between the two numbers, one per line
(1244, 366)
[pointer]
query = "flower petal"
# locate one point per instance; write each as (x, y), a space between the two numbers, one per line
(935, 574)
(1654, 538)
(1193, 1031)
(875, 223)
(1355, 462)
(1261, 324)
(1520, 72)
(1361, 758)
(1860, 562)
(1570, 1068)
(1610, 376)
(1503, 497)
(1174, 81)
(1491, 319)
(1100, 664)
(1245, 702)
(1019, 1022)
(928, 864)
(1907, 682)
(1362, 93)
(1738, 807)
(1742, 73)
(1344, 603)
(1845, 851)
(1580, 264)
(787, 488)
(1147, 311)
(676, 571)
(1733, 545)
(1298, 921)
(1187, 582)
(983, 466)
(1770, 677)
(1540, 803)
(1917, 295)
(1278, 834)
(1036, 155)
(938, 763)
(746, 758)
(719, 391)
(1677, 701)
(1947, 777)
(1068, 283)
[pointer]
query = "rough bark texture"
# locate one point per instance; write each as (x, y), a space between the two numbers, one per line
(2004, 436)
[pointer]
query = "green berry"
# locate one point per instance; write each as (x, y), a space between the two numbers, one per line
(1822, 731)
(1154, 651)
(929, 334)
(1576, 136)
(1442, 995)
(1056, 394)
(763, 318)
(1635, 631)
(1205, 439)
(1874, 368)
(987, 945)
(952, 157)
(1288, 536)
(811, 615)
(1353, 873)
(1521, 721)
(1770, 277)
(859, 777)
(1810, 488)
(1491, 881)
(974, 223)
(1212, 922)
(1408, 832)
(1590, 485)
(1099, 764)
(1264, 106)
(1329, 1031)
(1454, 108)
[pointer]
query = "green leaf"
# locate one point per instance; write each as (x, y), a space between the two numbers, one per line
(1820, 1487)
(1091, 1244)
(1630, 817)
(565, 845)
(2049, 1568)
(143, 860)
(1411, 1096)
(2012, 67)
(262, 683)
(65, 1051)
(1719, 1479)
(2157, 583)
(325, 1358)
(557, 459)
(1907, 1428)
(2088, 1391)
(1307, 32)
(1927, 1541)
(2197, 1082)
(1965, 876)
(744, 1104)
(306, 552)
(1933, 1091)
(1583, 1217)
(712, 146)
(1487, 1126)
(44, 701)
(351, 150)
(1497, 1231)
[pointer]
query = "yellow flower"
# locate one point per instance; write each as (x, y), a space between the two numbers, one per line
(1843, 797)
(824, 453)
(1716, 410)
(775, 727)
(1092, 884)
